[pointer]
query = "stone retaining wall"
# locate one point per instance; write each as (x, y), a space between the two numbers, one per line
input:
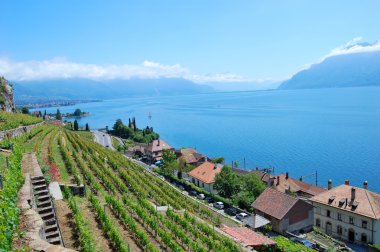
(18, 131)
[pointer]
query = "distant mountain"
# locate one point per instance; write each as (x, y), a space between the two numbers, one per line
(85, 89)
(348, 70)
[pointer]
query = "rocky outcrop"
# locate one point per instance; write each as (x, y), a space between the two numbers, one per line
(6, 96)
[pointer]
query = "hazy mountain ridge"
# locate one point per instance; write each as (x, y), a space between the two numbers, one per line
(75, 89)
(347, 70)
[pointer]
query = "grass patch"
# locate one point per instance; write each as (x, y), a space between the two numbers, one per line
(86, 134)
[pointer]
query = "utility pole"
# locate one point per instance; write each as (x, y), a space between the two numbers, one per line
(316, 177)
(244, 163)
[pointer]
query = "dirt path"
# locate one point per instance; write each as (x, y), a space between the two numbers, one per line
(67, 225)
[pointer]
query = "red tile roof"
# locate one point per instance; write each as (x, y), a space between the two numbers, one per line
(206, 172)
(296, 185)
(190, 156)
(274, 203)
(368, 202)
(158, 145)
(247, 236)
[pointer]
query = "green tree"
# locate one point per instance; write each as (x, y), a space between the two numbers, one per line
(251, 183)
(218, 160)
(87, 127)
(77, 112)
(227, 182)
(58, 115)
(25, 110)
(170, 162)
(76, 127)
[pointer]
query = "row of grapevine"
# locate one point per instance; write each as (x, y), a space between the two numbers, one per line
(12, 182)
(86, 240)
(69, 163)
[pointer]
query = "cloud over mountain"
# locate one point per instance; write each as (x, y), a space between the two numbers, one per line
(60, 68)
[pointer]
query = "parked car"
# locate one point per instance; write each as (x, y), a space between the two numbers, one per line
(193, 193)
(209, 199)
(201, 196)
(241, 216)
(218, 205)
(161, 177)
(181, 187)
(231, 211)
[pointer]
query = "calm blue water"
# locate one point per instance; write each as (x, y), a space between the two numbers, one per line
(333, 131)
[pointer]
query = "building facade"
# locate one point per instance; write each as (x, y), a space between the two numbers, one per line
(348, 213)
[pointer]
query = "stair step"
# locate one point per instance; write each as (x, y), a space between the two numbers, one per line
(43, 192)
(40, 187)
(55, 241)
(47, 216)
(38, 178)
(43, 204)
(39, 182)
(53, 234)
(50, 222)
(51, 228)
(45, 210)
(43, 198)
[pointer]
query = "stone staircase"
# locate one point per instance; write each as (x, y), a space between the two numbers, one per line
(45, 208)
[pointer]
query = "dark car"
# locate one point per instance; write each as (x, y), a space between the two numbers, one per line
(193, 193)
(231, 211)
(209, 199)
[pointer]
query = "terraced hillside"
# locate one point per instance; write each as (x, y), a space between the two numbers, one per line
(125, 207)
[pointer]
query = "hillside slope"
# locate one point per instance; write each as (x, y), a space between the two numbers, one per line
(349, 70)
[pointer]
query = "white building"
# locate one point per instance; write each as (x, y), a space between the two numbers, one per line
(204, 176)
(348, 213)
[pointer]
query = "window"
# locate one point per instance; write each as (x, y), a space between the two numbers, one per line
(193, 180)
(328, 213)
(203, 185)
(318, 222)
(339, 217)
(364, 238)
(351, 220)
(318, 210)
(364, 224)
(339, 230)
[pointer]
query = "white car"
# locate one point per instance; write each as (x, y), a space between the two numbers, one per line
(218, 205)
(201, 196)
(241, 216)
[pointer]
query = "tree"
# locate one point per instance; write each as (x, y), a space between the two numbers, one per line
(77, 112)
(227, 182)
(170, 162)
(218, 160)
(76, 127)
(87, 127)
(58, 115)
(25, 110)
(251, 183)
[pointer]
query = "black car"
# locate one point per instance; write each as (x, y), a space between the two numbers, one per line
(231, 211)
(209, 199)
(193, 193)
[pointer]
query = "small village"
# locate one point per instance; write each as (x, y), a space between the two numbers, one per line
(342, 216)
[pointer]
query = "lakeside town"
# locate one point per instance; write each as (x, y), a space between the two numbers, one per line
(261, 206)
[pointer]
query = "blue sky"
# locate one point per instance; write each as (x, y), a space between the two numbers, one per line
(222, 40)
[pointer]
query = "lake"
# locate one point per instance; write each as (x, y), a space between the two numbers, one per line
(335, 132)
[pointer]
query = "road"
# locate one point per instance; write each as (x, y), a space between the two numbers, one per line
(103, 139)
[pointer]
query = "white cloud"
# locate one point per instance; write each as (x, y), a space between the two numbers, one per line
(60, 68)
(354, 46)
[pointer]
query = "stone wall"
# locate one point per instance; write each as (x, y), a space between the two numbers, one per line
(18, 131)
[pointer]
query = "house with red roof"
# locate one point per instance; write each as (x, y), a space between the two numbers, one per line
(190, 156)
(285, 212)
(248, 237)
(204, 175)
(154, 150)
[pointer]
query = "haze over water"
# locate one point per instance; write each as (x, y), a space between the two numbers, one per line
(333, 131)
